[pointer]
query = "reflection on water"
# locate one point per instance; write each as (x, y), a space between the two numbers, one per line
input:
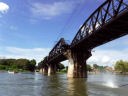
(31, 84)
(110, 84)
(77, 87)
(59, 85)
(109, 80)
(107, 85)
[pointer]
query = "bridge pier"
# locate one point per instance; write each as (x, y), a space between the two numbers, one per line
(70, 73)
(45, 70)
(41, 70)
(51, 69)
(77, 63)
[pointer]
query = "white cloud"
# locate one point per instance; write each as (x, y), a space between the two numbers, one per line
(34, 53)
(50, 10)
(3, 8)
(107, 57)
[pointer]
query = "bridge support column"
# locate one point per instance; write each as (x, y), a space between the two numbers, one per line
(70, 73)
(41, 70)
(77, 63)
(45, 70)
(51, 69)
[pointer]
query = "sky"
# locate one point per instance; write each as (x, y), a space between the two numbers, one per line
(30, 29)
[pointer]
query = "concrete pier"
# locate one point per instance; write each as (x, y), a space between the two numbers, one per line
(45, 70)
(77, 67)
(51, 69)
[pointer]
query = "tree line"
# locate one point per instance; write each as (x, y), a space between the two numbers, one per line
(17, 64)
(95, 67)
(30, 65)
(121, 66)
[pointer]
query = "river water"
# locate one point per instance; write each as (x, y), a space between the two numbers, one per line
(35, 84)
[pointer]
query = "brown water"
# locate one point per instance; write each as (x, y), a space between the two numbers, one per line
(34, 84)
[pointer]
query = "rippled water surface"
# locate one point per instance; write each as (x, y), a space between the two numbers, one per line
(35, 84)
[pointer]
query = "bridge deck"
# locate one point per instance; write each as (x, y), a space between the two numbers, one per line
(114, 29)
(58, 58)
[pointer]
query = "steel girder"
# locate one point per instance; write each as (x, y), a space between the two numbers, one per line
(102, 15)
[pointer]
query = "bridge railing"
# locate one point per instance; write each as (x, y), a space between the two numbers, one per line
(58, 49)
(43, 63)
(103, 14)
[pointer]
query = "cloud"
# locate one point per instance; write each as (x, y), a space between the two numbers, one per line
(50, 10)
(33, 53)
(107, 57)
(104, 57)
(3, 8)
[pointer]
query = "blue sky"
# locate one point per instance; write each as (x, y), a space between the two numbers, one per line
(30, 28)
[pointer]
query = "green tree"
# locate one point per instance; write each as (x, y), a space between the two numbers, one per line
(32, 65)
(95, 66)
(17, 64)
(60, 66)
(3, 62)
(121, 66)
(89, 68)
(2, 67)
(23, 64)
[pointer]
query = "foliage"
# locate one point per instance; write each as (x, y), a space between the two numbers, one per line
(95, 66)
(17, 64)
(89, 68)
(121, 66)
(60, 66)
(31, 65)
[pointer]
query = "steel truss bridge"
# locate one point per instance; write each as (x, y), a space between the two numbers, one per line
(108, 22)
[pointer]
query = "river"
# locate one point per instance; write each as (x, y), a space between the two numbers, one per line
(35, 84)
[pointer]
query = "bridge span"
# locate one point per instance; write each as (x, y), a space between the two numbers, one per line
(108, 22)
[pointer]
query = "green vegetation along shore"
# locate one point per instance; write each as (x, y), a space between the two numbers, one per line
(17, 65)
(120, 67)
